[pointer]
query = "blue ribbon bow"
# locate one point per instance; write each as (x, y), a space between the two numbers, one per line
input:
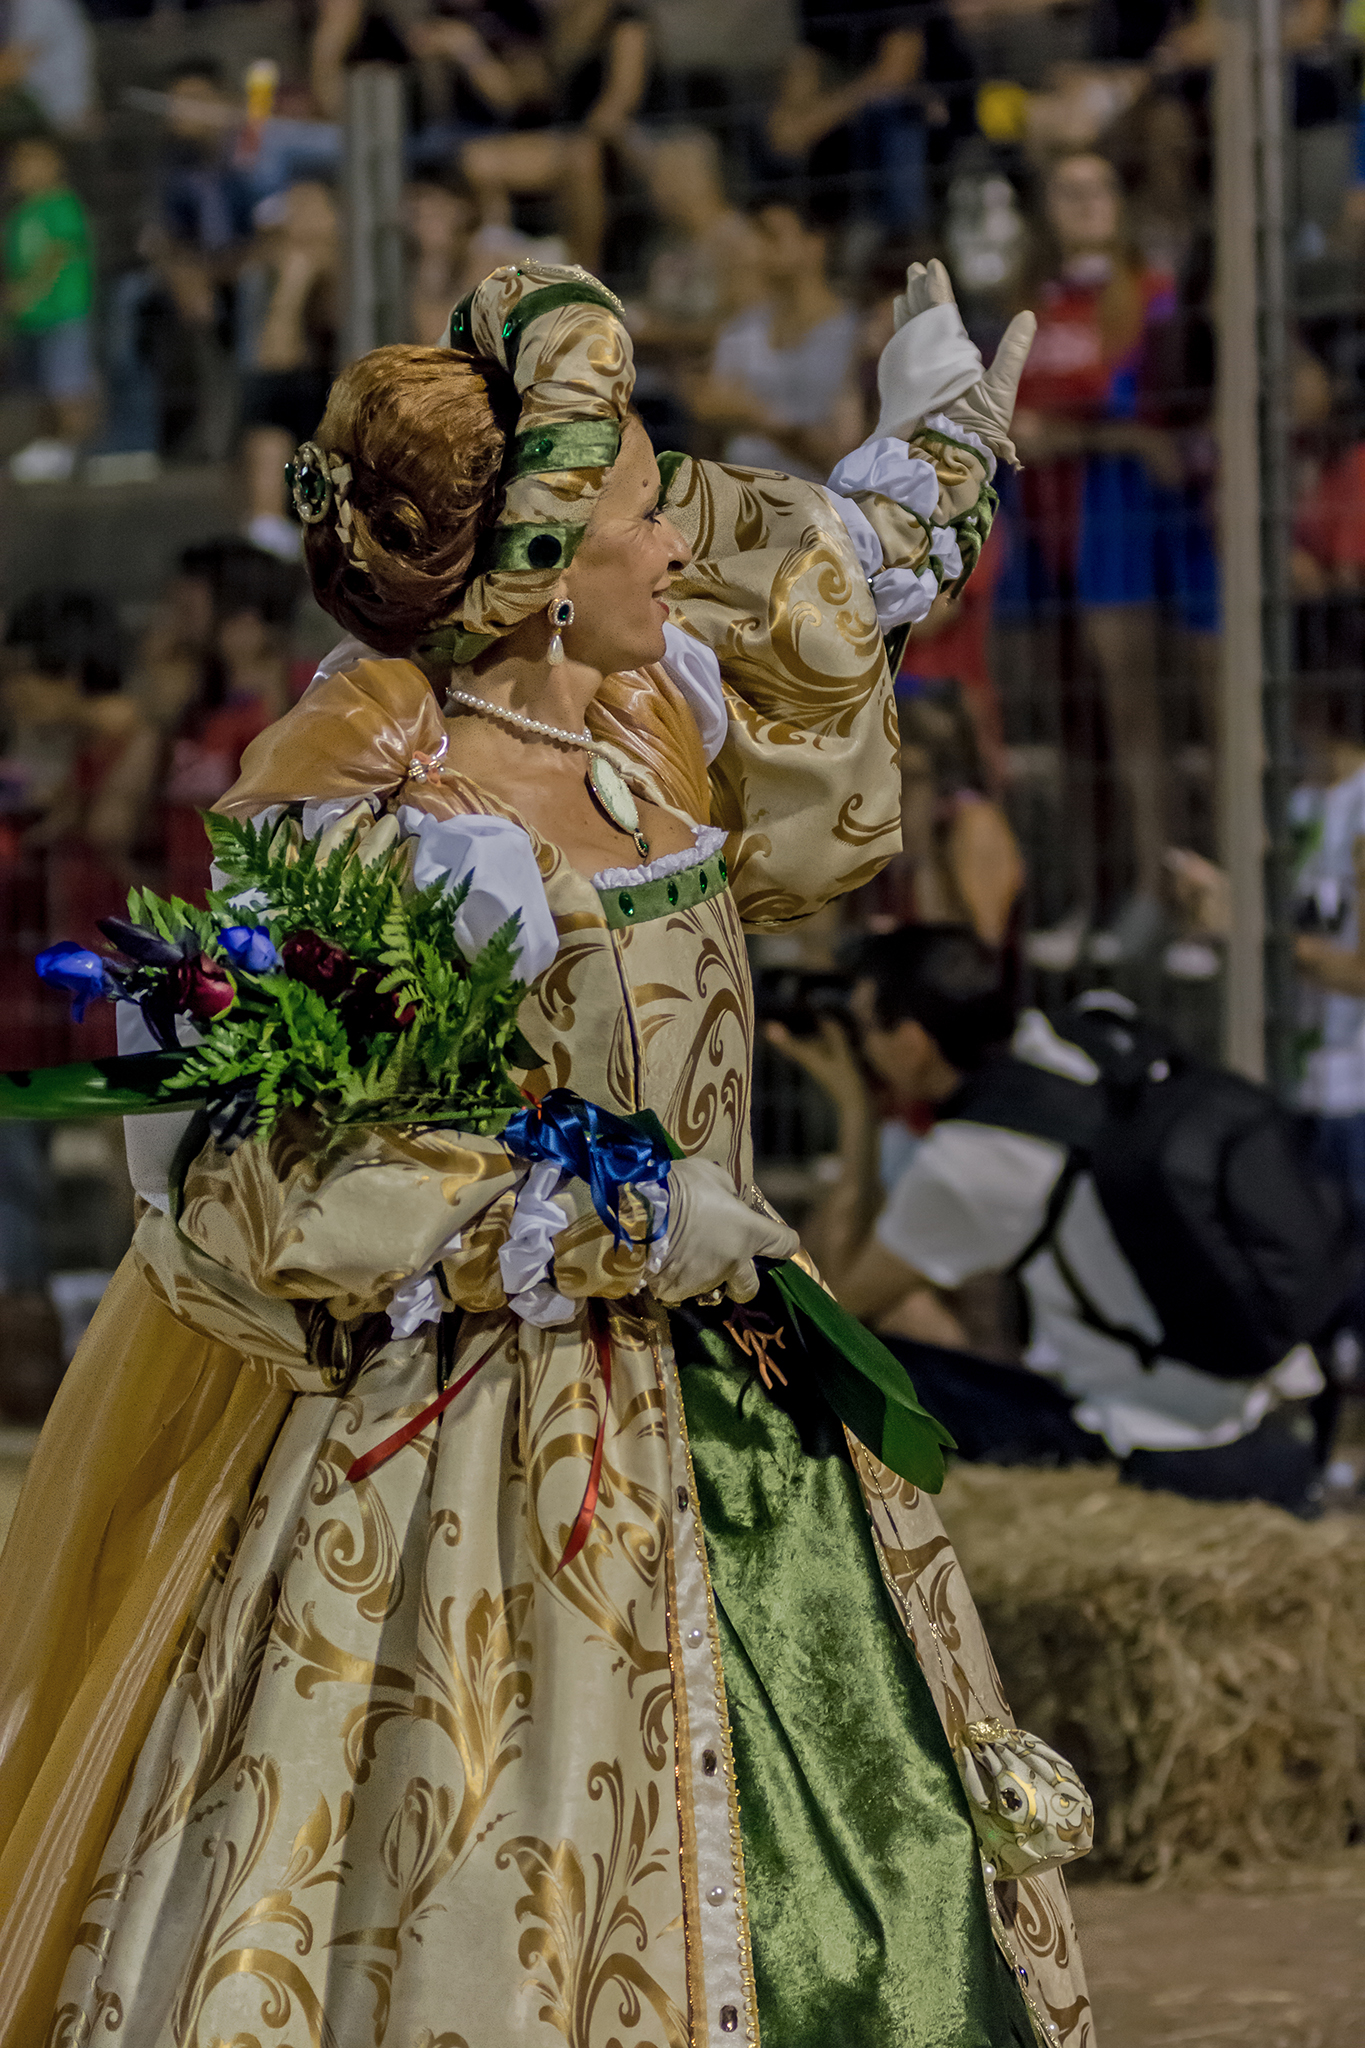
(600, 1148)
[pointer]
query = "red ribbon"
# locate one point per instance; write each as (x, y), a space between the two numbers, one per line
(578, 1535)
(381, 1453)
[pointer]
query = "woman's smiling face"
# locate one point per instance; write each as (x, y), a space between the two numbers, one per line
(618, 580)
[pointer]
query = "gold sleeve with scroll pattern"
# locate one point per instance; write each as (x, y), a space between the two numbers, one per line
(807, 785)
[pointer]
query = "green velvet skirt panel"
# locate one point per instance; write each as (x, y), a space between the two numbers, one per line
(867, 1915)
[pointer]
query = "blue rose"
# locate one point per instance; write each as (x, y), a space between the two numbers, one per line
(81, 973)
(248, 948)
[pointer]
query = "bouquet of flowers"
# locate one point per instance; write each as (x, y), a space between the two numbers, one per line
(317, 979)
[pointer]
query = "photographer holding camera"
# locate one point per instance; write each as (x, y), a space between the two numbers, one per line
(1177, 1258)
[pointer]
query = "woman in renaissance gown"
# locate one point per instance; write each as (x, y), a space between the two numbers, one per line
(623, 1702)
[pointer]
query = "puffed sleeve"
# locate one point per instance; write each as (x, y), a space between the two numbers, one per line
(792, 588)
(805, 784)
(278, 1240)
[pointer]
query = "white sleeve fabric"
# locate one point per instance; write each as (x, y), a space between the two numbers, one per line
(969, 1201)
(526, 1259)
(151, 1140)
(497, 858)
(695, 669)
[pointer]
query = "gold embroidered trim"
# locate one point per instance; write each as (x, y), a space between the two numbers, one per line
(741, 1895)
(1046, 2032)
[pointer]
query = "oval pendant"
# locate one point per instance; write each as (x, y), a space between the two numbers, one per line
(612, 795)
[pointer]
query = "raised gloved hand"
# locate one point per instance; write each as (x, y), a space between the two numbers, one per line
(713, 1236)
(931, 364)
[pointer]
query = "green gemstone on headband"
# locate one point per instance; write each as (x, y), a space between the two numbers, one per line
(574, 444)
(544, 551)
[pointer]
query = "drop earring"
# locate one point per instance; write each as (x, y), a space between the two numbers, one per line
(561, 615)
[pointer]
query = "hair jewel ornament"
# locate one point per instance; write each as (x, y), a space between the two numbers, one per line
(561, 615)
(318, 484)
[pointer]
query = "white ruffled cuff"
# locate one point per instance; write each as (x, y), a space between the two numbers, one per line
(903, 596)
(526, 1259)
(885, 465)
(420, 1300)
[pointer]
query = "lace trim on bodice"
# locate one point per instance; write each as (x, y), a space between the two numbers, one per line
(709, 839)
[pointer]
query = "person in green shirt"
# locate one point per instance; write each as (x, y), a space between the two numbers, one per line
(47, 288)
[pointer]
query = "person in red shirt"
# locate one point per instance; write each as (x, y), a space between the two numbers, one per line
(1108, 522)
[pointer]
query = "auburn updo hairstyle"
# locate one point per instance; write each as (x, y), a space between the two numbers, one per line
(425, 431)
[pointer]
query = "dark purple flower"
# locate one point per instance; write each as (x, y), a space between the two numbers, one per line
(309, 959)
(364, 1011)
(81, 973)
(148, 948)
(353, 988)
(249, 948)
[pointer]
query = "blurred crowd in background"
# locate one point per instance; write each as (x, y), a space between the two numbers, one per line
(752, 178)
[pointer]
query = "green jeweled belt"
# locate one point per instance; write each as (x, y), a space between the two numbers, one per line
(683, 891)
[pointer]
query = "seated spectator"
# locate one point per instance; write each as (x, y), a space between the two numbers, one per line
(65, 709)
(47, 304)
(988, 1192)
(449, 253)
(440, 224)
(859, 98)
(704, 273)
(483, 69)
(77, 772)
(294, 358)
(783, 379)
(47, 68)
(959, 858)
(167, 668)
(598, 56)
(242, 687)
(178, 321)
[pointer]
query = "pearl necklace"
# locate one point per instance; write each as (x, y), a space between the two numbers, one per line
(519, 718)
(606, 785)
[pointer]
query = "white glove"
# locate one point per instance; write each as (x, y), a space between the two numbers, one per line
(931, 364)
(713, 1236)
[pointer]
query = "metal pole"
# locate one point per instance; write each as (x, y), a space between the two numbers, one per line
(372, 181)
(1241, 758)
(1276, 527)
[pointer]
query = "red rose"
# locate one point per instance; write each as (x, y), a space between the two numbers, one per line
(202, 989)
(311, 960)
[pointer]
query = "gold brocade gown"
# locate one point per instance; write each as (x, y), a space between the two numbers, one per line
(293, 1760)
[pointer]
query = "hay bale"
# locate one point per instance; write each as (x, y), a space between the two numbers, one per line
(1202, 1665)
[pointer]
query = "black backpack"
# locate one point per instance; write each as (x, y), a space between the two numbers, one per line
(1243, 1249)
